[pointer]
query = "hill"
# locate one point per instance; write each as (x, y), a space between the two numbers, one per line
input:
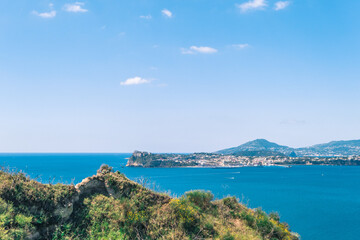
(110, 206)
(259, 153)
(334, 148)
(331, 149)
(257, 145)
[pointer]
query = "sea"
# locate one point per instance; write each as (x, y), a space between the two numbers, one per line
(318, 202)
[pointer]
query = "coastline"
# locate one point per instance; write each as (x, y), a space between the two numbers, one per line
(215, 160)
(236, 167)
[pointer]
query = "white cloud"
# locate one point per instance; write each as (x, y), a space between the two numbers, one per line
(76, 7)
(240, 46)
(147, 17)
(167, 13)
(134, 81)
(50, 14)
(186, 51)
(252, 4)
(281, 5)
(195, 49)
(203, 49)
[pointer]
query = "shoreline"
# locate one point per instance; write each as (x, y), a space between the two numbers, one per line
(279, 166)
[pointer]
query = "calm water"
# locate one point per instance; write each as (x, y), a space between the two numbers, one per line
(319, 202)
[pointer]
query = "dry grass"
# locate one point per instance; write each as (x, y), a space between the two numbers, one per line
(133, 212)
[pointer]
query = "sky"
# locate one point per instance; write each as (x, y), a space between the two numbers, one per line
(177, 75)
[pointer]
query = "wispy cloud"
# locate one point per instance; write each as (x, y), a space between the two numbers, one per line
(147, 17)
(252, 5)
(240, 46)
(76, 7)
(167, 13)
(195, 49)
(134, 81)
(203, 49)
(281, 5)
(49, 14)
(186, 51)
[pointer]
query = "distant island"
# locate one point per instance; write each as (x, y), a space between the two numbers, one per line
(259, 152)
(331, 149)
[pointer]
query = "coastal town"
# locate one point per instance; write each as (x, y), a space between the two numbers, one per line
(146, 159)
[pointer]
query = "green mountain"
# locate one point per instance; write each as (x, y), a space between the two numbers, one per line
(110, 206)
(257, 145)
(259, 153)
(334, 148)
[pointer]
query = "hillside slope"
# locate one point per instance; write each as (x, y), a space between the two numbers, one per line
(334, 148)
(331, 149)
(110, 206)
(257, 145)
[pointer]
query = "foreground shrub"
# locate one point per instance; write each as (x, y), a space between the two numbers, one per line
(105, 169)
(201, 199)
(13, 225)
(186, 214)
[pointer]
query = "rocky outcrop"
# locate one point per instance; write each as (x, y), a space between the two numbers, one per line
(136, 159)
(88, 187)
(92, 185)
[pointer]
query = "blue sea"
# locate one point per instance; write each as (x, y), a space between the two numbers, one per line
(319, 202)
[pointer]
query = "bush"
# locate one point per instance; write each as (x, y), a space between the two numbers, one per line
(228, 236)
(186, 214)
(231, 202)
(275, 216)
(12, 225)
(105, 169)
(201, 199)
(23, 221)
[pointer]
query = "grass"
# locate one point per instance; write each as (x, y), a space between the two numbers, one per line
(131, 211)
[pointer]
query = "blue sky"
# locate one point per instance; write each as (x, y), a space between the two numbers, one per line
(177, 75)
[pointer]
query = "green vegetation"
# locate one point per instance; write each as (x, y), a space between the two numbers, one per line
(331, 149)
(258, 145)
(162, 160)
(110, 206)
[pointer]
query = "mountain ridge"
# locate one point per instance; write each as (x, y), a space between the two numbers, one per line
(333, 148)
